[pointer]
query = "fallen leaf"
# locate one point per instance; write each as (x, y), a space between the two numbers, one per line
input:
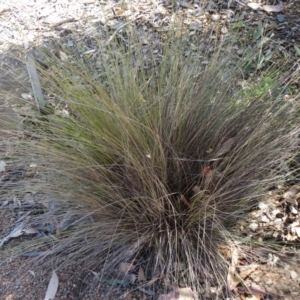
(141, 274)
(273, 8)
(30, 230)
(232, 279)
(52, 287)
(247, 270)
(257, 290)
(17, 233)
(226, 146)
(254, 5)
(35, 82)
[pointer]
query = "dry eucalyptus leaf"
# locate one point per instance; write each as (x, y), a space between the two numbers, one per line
(273, 8)
(232, 279)
(30, 230)
(247, 270)
(35, 81)
(254, 5)
(17, 233)
(52, 287)
(141, 274)
(257, 290)
(14, 233)
(226, 146)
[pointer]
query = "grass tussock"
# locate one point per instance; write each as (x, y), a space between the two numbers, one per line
(157, 158)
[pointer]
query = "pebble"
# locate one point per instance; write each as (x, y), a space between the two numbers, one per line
(224, 30)
(262, 206)
(265, 219)
(197, 12)
(195, 26)
(215, 17)
(280, 18)
(184, 4)
(294, 275)
(253, 226)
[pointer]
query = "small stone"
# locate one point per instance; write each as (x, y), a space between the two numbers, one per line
(294, 275)
(215, 17)
(224, 30)
(275, 212)
(197, 12)
(265, 219)
(253, 226)
(280, 18)
(262, 205)
(2, 165)
(230, 14)
(195, 26)
(70, 43)
(278, 222)
(26, 96)
(184, 4)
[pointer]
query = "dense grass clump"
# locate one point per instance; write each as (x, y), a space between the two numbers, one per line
(156, 158)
